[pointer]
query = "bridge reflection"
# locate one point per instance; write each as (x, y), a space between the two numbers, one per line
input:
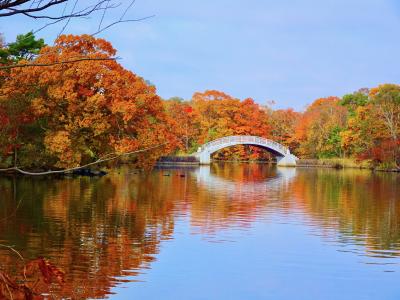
(274, 179)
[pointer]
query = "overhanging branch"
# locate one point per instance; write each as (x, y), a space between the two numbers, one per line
(7, 67)
(108, 157)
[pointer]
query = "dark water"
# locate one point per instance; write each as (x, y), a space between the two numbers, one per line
(221, 232)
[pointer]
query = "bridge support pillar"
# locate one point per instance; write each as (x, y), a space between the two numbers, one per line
(289, 160)
(204, 158)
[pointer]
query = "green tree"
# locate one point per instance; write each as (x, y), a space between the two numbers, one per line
(25, 47)
(352, 101)
(16, 120)
(333, 144)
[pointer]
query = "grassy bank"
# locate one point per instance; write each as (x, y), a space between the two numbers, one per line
(341, 163)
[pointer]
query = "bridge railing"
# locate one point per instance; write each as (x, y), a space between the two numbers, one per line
(243, 139)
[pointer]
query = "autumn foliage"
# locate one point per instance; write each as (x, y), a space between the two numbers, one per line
(364, 125)
(73, 113)
(373, 129)
(317, 130)
(66, 114)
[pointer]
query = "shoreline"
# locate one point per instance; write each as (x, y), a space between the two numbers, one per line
(337, 164)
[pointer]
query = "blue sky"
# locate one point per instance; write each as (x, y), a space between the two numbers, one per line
(289, 51)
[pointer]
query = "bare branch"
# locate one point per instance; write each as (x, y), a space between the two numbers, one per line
(9, 7)
(102, 16)
(13, 250)
(37, 10)
(82, 13)
(121, 21)
(56, 62)
(69, 19)
(106, 158)
(127, 9)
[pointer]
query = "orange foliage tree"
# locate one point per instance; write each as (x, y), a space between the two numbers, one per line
(283, 124)
(186, 125)
(222, 115)
(318, 129)
(88, 109)
(373, 129)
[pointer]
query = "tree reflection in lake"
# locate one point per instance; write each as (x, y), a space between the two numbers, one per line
(103, 231)
(364, 207)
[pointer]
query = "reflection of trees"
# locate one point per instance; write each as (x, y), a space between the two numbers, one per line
(95, 230)
(244, 173)
(364, 207)
(234, 195)
(100, 230)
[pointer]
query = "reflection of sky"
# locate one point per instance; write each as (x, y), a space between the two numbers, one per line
(290, 51)
(271, 261)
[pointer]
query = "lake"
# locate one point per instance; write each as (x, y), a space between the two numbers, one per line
(225, 231)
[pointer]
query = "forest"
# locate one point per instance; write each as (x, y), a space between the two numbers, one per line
(72, 103)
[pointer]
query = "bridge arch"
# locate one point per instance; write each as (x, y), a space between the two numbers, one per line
(282, 153)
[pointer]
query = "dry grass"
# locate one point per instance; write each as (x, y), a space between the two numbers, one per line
(338, 163)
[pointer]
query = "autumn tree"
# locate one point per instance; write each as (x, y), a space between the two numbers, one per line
(89, 109)
(222, 115)
(283, 125)
(185, 121)
(374, 124)
(215, 109)
(386, 101)
(358, 136)
(318, 129)
(358, 139)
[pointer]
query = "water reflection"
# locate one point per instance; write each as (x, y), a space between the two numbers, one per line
(364, 207)
(102, 231)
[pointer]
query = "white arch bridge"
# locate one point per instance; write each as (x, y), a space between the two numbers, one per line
(282, 153)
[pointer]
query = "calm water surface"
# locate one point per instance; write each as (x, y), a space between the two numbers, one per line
(222, 232)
